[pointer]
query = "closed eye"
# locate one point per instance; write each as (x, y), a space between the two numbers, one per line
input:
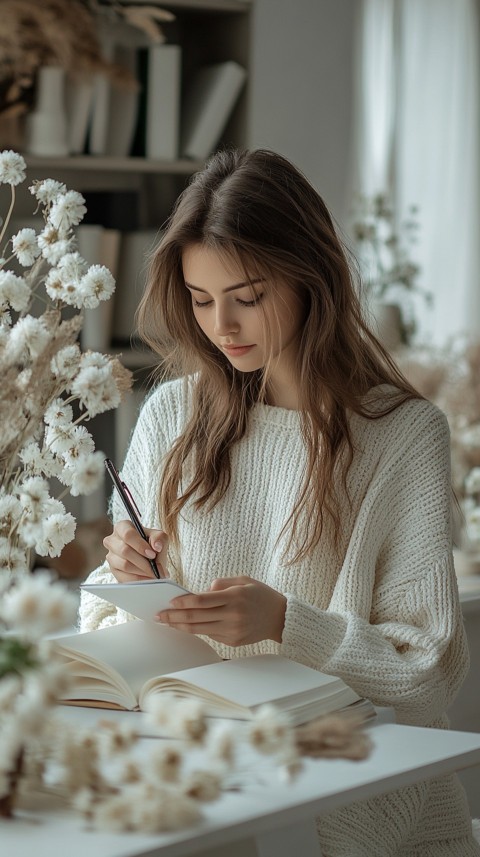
(238, 300)
(250, 303)
(201, 303)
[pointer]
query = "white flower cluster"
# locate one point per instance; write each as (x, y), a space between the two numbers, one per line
(48, 386)
(116, 786)
(30, 682)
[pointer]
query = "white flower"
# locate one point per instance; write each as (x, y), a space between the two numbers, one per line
(33, 492)
(46, 191)
(53, 244)
(57, 531)
(270, 731)
(66, 362)
(12, 168)
(72, 267)
(60, 289)
(96, 285)
(96, 388)
(180, 718)
(67, 210)
(31, 457)
(81, 444)
(202, 785)
(14, 290)
(95, 359)
(38, 606)
(12, 558)
(53, 506)
(58, 437)
(10, 510)
(58, 412)
(222, 745)
(87, 473)
(165, 763)
(63, 282)
(30, 529)
(29, 336)
(25, 247)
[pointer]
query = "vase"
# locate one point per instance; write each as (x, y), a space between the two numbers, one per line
(46, 126)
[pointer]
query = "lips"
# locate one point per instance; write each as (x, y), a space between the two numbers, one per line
(236, 350)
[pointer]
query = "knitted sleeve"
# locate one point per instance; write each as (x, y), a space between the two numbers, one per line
(393, 630)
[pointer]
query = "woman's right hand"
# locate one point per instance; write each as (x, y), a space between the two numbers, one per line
(128, 554)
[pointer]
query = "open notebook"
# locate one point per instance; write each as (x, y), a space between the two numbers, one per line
(123, 665)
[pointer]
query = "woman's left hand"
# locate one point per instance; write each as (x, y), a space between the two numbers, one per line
(236, 611)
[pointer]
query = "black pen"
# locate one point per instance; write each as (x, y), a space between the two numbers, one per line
(130, 506)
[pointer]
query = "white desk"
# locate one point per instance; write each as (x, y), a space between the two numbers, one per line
(465, 713)
(279, 817)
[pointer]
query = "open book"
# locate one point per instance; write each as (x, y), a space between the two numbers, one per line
(122, 666)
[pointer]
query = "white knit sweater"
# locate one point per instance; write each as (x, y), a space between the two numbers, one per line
(381, 611)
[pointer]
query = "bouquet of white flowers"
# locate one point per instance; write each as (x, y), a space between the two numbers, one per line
(49, 387)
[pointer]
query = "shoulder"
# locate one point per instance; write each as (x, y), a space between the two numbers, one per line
(167, 406)
(395, 437)
(407, 420)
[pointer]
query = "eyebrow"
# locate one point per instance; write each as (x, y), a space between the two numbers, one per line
(229, 288)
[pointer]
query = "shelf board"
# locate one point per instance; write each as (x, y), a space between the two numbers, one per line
(99, 163)
(202, 5)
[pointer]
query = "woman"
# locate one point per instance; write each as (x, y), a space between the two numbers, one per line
(292, 478)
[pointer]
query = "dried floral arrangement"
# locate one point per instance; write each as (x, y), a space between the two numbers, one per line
(385, 251)
(106, 773)
(49, 387)
(62, 33)
(450, 377)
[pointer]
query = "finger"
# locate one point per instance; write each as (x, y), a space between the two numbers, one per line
(125, 559)
(157, 538)
(204, 601)
(127, 533)
(188, 617)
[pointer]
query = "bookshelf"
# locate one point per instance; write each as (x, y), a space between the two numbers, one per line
(207, 31)
(106, 164)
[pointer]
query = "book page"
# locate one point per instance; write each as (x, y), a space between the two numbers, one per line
(246, 683)
(143, 598)
(130, 653)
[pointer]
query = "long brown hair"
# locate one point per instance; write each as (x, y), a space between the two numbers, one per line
(256, 208)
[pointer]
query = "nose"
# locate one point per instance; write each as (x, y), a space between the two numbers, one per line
(225, 321)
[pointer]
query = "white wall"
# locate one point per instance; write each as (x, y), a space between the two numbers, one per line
(301, 89)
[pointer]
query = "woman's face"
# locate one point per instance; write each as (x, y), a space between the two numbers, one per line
(249, 323)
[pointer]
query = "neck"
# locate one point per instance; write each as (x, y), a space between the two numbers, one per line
(282, 395)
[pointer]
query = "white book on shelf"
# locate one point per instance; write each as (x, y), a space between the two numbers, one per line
(163, 102)
(123, 104)
(135, 248)
(98, 246)
(209, 102)
(101, 98)
(79, 99)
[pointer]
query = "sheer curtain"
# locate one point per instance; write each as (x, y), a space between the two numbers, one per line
(424, 144)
